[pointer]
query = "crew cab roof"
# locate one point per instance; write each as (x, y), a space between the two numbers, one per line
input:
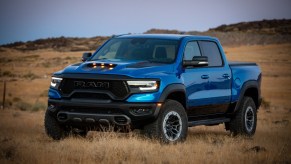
(165, 36)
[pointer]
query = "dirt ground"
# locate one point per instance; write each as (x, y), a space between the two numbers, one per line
(23, 140)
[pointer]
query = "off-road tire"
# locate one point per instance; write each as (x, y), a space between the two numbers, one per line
(244, 122)
(53, 129)
(171, 109)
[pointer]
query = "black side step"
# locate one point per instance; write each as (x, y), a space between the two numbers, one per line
(208, 121)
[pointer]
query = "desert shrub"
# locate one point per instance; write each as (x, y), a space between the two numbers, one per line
(16, 99)
(8, 74)
(79, 48)
(30, 76)
(93, 47)
(38, 106)
(265, 104)
(5, 60)
(68, 58)
(44, 93)
(24, 106)
(30, 47)
(8, 103)
(46, 64)
(31, 57)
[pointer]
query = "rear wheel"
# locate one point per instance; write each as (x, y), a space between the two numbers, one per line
(172, 124)
(245, 120)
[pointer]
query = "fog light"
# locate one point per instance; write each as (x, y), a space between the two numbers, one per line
(51, 107)
(141, 110)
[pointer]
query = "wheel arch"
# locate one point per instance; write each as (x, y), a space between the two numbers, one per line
(249, 89)
(175, 92)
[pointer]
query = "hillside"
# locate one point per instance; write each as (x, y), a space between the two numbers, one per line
(59, 44)
(271, 27)
(244, 33)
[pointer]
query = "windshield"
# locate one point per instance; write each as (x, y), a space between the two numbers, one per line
(145, 49)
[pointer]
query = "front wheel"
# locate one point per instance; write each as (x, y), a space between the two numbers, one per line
(53, 128)
(171, 125)
(245, 120)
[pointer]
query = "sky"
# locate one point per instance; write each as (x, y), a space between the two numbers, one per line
(24, 20)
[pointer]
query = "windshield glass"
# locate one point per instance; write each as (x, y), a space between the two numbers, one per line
(152, 50)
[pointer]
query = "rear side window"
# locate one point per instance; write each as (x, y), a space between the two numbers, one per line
(211, 50)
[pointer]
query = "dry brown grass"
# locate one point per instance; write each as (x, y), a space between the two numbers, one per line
(23, 140)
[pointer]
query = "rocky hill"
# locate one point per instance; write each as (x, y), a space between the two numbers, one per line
(244, 33)
(60, 44)
(272, 27)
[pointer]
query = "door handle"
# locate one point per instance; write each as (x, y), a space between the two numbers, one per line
(226, 76)
(204, 77)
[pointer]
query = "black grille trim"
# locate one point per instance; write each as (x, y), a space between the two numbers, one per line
(118, 89)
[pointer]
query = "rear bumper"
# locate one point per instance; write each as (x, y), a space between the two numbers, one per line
(89, 112)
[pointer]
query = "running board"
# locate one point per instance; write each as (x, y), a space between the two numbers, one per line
(208, 121)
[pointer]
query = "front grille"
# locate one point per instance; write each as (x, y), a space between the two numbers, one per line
(118, 88)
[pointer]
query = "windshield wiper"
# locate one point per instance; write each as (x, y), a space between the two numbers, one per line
(155, 61)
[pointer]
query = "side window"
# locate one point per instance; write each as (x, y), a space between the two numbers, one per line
(211, 50)
(191, 50)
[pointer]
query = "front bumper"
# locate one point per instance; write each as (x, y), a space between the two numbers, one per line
(92, 112)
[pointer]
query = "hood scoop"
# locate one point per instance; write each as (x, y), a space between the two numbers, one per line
(102, 66)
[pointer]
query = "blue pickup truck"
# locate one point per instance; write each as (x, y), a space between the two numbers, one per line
(160, 84)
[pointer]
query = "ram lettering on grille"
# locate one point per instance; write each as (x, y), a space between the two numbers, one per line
(91, 84)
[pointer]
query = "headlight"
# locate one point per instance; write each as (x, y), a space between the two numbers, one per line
(56, 82)
(144, 85)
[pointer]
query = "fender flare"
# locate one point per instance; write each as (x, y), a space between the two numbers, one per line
(170, 89)
(247, 85)
(166, 92)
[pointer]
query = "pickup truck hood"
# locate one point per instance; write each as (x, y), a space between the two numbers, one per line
(137, 69)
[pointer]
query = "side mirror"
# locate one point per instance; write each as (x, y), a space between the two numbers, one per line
(197, 61)
(86, 56)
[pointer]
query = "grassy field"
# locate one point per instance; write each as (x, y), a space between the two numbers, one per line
(23, 140)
